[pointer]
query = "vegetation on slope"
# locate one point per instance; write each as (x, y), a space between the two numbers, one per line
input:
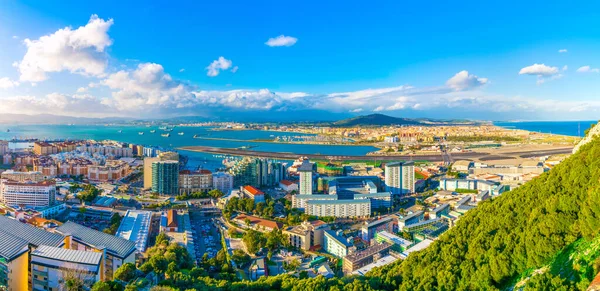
(521, 230)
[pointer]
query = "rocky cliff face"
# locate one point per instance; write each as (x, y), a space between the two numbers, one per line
(595, 131)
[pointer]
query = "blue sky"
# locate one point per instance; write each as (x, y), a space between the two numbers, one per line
(438, 59)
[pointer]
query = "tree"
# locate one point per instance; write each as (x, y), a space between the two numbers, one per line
(162, 239)
(126, 272)
(172, 269)
(253, 240)
(146, 267)
(215, 193)
(159, 263)
(107, 286)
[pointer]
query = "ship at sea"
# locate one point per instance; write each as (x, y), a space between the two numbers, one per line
(180, 133)
(119, 131)
(165, 134)
(153, 131)
(162, 128)
(141, 133)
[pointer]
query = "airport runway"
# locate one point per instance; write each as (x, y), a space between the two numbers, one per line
(431, 158)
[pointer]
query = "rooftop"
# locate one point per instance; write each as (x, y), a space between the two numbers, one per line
(259, 221)
(340, 239)
(252, 190)
(28, 233)
(116, 245)
(68, 255)
(135, 227)
(11, 246)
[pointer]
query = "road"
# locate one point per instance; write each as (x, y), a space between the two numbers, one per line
(441, 157)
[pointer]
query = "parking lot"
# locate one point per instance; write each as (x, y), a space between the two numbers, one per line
(206, 236)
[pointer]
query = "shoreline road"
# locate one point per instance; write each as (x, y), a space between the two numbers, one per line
(431, 157)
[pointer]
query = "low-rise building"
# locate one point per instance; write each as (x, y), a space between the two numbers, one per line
(117, 251)
(50, 266)
(169, 221)
(32, 176)
(253, 193)
(370, 228)
(257, 223)
(199, 181)
(308, 235)
(336, 244)
(288, 186)
(359, 259)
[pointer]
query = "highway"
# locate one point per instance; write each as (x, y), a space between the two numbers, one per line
(441, 157)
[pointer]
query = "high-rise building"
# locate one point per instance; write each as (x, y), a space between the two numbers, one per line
(400, 178)
(257, 172)
(3, 147)
(165, 177)
(148, 161)
(306, 182)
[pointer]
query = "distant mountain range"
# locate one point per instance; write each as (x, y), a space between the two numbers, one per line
(386, 120)
(364, 120)
(9, 118)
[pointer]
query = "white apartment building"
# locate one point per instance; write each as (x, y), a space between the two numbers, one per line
(339, 208)
(30, 194)
(222, 181)
(400, 178)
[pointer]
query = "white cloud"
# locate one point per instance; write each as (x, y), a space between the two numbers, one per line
(57, 103)
(565, 67)
(82, 90)
(463, 81)
(562, 51)
(357, 110)
(15, 37)
(181, 70)
(539, 70)
(379, 108)
(217, 65)
(144, 88)
(281, 40)
(79, 51)
(234, 69)
(6, 83)
(588, 69)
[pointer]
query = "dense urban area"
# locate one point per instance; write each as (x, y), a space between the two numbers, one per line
(108, 215)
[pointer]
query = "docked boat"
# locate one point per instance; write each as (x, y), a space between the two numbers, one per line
(153, 131)
(141, 133)
(180, 133)
(165, 134)
(162, 127)
(119, 131)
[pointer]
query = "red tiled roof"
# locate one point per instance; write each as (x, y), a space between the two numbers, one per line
(172, 218)
(257, 220)
(286, 182)
(253, 191)
(185, 172)
(205, 172)
(317, 222)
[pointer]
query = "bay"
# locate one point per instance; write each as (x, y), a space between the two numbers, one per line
(572, 128)
(130, 134)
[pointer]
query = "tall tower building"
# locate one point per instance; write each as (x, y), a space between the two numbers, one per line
(149, 161)
(306, 183)
(165, 177)
(400, 178)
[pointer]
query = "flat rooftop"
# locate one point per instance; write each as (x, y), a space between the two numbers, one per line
(135, 227)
